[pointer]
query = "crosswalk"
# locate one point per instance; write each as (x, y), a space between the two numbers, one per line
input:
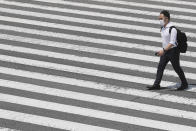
(83, 65)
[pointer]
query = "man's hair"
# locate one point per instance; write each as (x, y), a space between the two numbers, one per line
(166, 13)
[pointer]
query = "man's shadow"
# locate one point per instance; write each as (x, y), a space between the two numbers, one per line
(191, 87)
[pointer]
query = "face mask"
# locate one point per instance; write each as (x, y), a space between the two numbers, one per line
(162, 23)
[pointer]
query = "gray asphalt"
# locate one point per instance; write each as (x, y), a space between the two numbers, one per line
(5, 123)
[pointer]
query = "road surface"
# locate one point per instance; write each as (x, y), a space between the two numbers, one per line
(83, 65)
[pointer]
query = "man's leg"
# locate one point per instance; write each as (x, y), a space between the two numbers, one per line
(161, 67)
(175, 61)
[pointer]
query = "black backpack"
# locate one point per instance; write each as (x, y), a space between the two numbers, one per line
(181, 40)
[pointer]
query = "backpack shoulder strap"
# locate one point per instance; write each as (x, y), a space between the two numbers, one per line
(161, 28)
(170, 28)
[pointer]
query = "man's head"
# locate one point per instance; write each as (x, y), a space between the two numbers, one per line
(164, 17)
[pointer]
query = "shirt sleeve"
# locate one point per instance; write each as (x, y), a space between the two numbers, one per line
(173, 36)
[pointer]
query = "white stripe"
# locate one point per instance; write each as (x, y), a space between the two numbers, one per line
(109, 63)
(93, 6)
(81, 20)
(96, 99)
(48, 122)
(55, 25)
(85, 71)
(99, 86)
(90, 30)
(89, 60)
(96, 114)
(179, 2)
(73, 19)
(90, 13)
(60, 55)
(8, 129)
(86, 48)
(150, 13)
(144, 5)
(99, 61)
(77, 28)
(87, 30)
(94, 60)
(69, 57)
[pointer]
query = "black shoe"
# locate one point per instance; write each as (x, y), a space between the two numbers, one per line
(182, 87)
(154, 87)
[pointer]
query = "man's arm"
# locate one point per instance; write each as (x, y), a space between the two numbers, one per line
(172, 39)
(161, 52)
(168, 47)
(171, 43)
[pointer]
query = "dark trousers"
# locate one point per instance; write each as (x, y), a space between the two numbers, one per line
(171, 55)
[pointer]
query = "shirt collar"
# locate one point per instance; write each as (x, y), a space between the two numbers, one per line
(169, 25)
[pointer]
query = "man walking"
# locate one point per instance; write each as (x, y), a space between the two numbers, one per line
(170, 52)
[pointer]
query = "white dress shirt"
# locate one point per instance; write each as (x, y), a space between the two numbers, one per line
(167, 37)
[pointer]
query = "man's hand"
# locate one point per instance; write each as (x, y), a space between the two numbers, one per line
(160, 53)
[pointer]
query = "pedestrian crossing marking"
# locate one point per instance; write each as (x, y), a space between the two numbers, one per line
(94, 99)
(176, 111)
(98, 14)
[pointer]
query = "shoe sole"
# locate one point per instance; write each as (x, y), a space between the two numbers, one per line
(181, 89)
(154, 88)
